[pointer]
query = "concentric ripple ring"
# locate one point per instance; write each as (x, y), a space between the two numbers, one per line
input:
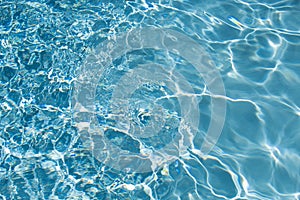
(83, 105)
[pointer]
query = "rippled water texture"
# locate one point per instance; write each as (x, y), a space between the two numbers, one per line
(88, 113)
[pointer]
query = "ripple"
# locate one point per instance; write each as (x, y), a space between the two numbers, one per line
(253, 45)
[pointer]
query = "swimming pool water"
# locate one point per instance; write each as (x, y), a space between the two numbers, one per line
(149, 99)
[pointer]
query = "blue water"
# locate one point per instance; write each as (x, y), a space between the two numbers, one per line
(110, 100)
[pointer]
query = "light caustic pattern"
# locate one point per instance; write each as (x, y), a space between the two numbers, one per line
(255, 46)
(147, 158)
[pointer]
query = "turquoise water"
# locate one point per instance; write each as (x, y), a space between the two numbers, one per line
(149, 100)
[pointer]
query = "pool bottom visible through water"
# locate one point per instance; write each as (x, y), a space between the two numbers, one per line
(149, 100)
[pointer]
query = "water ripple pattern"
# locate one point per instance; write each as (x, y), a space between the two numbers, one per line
(150, 99)
(84, 97)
